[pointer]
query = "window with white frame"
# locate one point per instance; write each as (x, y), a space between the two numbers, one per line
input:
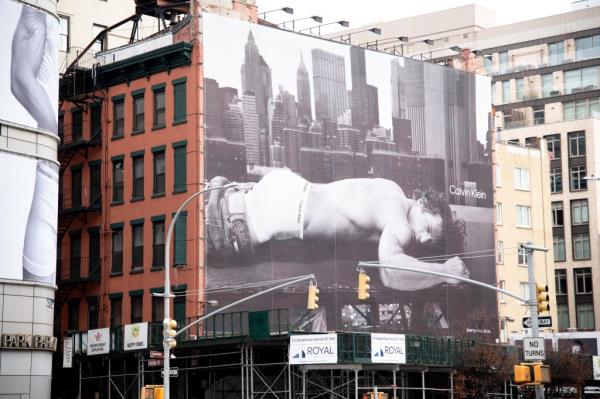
(557, 214)
(523, 216)
(63, 41)
(578, 181)
(558, 247)
(556, 180)
(581, 246)
(500, 252)
(502, 296)
(498, 176)
(524, 288)
(522, 256)
(579, 212)
(576, 144)
(521, 177)
(583, 280)
(553, 145)
(499, 213)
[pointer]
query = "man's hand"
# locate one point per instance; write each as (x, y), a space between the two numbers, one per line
(457, 267)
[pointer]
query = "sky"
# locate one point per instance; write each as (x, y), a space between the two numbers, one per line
(507, 11)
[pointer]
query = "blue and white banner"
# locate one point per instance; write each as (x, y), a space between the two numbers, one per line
(313, 349)
(388, 348)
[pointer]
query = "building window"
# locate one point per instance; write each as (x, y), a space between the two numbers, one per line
(100, 43)
(522, 256)
(158, 243)
(577, 144)
(61, 126)
(500, 253)
(581, 109)
(180, 167)
(520, 83)
(539, 114)
(180, 101)
(138, 176)
(117, 250)
(521, 177)
(92, 303)
(118, 116)
(138, 111)
(502, 296)
(584, 79)
(523, 216)
(137, 307)
(159, 173)
(556, 180)
(95, 123)
(557, 214)
(94, 253)
(556, 53)
(63, 36)
(76, 186)
(503, 61)
(585, 316)
(498, 176)
(498, 213)
(75, 253)
(179, 305)
(581, 246)
(95, 184)
(180, 240)
(578, 181)
(587, 47)
(76, 125)
(579, 212)
(553, 146)
(73, 315)
(560, 281)
(524, 289)
(506, 91)
(547, 84)
(117, 195)
(116, 311)
(562, 313)
(137, 245)
(158, 309)
(159, 107)
(558, 246)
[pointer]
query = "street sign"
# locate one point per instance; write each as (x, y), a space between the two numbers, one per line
(156, 354)
(173, 372)
(534, 348)
(543, 321)
(155, 362)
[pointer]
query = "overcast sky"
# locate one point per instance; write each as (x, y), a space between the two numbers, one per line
(370, 11)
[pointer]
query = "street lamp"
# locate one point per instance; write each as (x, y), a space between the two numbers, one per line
(347, 38)
(315, 18)
(288, 10)
(168, 335)
(375, 44)
(345, 24)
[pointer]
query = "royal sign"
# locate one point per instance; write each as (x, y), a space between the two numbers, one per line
(388, 348)
(313, 349)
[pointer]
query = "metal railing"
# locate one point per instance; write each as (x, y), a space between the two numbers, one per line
(80, 133)
(80, 198)
(76, 269)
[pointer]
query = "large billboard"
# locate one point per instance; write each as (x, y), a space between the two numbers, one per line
(28, 186)
(342, 155)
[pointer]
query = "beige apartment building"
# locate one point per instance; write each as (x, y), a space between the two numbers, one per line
(522, 200)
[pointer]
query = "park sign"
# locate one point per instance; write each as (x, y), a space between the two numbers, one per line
(313, 349)
(534, 348)
(388, 348)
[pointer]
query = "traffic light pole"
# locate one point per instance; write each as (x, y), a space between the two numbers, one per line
(533, 303)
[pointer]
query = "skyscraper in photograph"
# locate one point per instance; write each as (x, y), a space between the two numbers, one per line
(303, 92)
(329, 83)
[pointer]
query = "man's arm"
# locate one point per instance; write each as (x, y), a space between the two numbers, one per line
(391, 249)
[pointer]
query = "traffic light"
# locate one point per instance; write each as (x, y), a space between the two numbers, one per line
(313, 297)
(543, 299)
(522, 374)
(152, 392)
(363, 286)
(170, 332)
(541, 373)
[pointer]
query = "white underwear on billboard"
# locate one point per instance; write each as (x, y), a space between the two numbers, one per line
(17, 184)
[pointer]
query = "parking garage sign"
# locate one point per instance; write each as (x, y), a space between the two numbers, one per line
(388, 348)
(313, 349)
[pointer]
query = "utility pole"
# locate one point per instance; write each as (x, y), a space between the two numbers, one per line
(532, 303)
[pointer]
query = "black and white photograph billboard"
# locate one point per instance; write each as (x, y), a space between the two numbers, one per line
(29, 66)
(28, 186)
(342, 155)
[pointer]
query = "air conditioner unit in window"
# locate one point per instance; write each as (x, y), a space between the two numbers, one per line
(555, 92)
